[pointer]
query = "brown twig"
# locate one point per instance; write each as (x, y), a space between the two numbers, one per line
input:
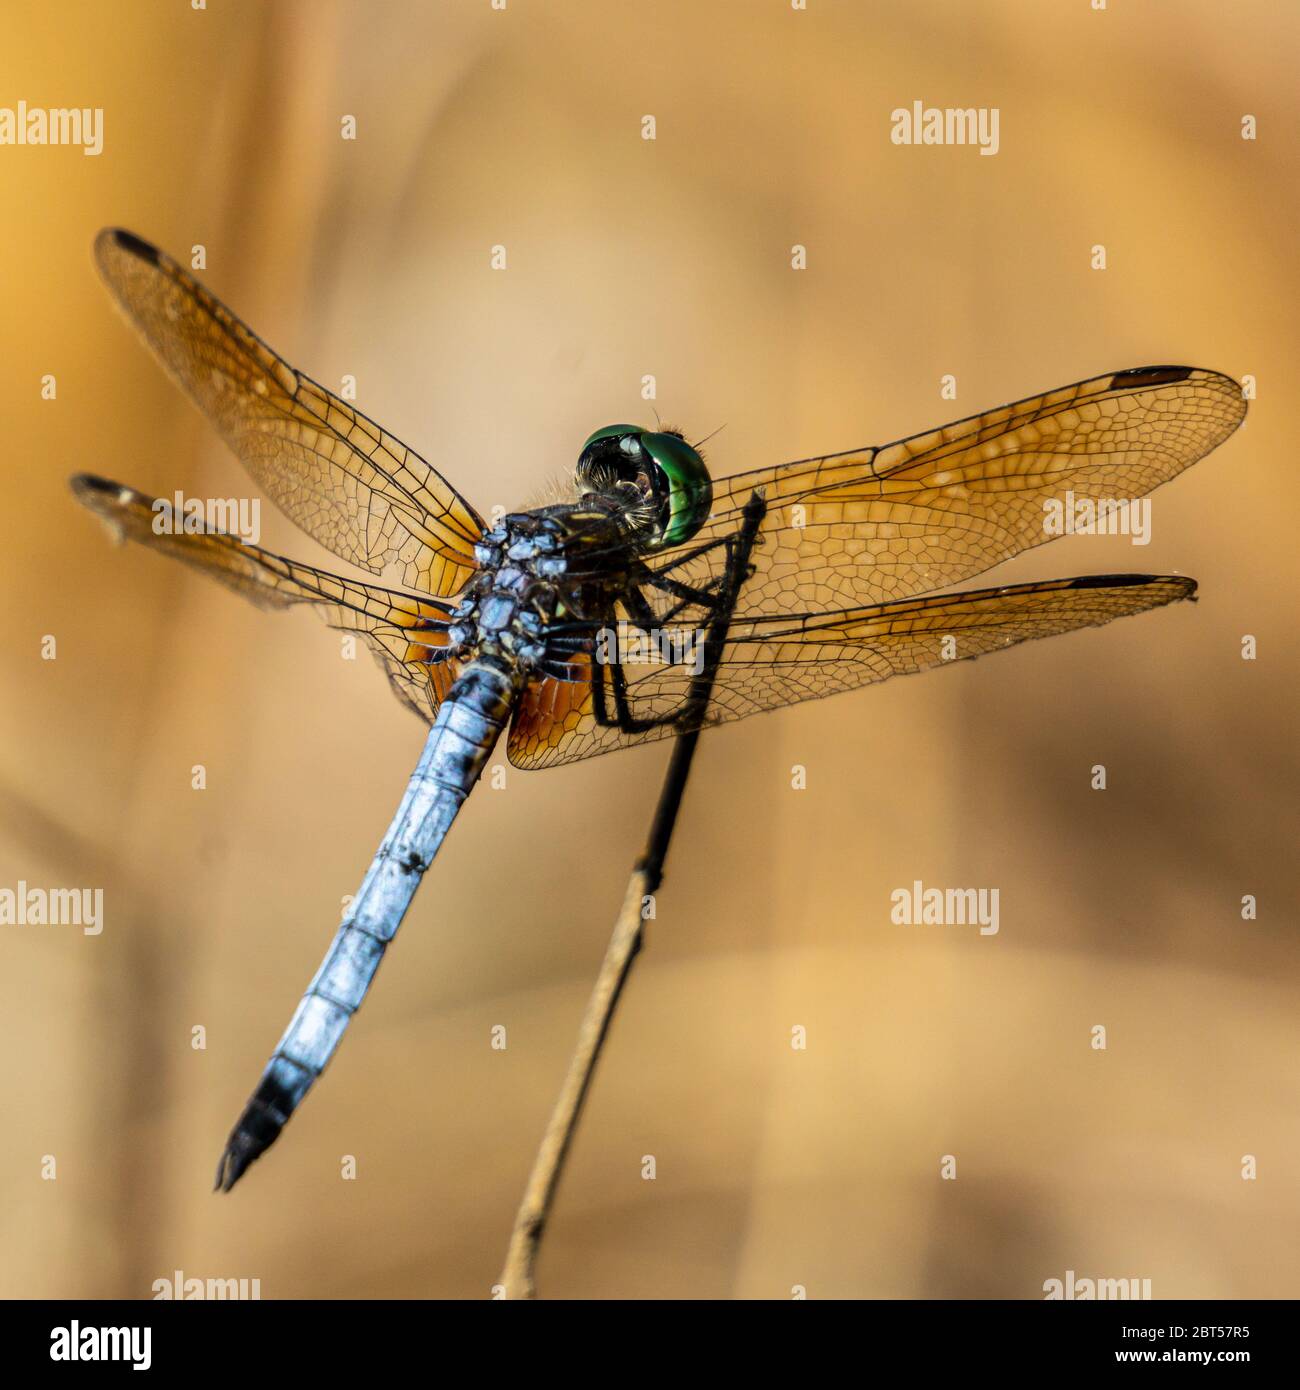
(517, 1278)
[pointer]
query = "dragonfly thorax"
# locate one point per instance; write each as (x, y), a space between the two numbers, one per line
(540, 573)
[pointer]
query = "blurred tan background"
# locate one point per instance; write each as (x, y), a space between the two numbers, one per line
(775, 1167)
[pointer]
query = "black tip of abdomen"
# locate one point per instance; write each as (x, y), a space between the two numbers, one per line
(265, 1115)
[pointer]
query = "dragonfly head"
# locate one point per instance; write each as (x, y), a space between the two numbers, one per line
(660, 480)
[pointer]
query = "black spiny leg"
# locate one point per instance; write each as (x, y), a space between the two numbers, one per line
(717, 599)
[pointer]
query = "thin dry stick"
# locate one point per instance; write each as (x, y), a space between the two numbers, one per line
(517, 1278)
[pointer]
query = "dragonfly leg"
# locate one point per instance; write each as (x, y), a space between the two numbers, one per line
(718, 602)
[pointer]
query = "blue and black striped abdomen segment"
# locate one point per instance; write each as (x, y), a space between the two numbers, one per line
(468, 723)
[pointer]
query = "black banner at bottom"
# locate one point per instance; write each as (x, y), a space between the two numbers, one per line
(341, 1338)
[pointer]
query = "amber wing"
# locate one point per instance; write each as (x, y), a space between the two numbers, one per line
(935, 509)
(408, 635)
(770, 662)
(347, 482)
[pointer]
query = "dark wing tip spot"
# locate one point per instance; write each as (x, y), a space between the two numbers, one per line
(1149, 376)
(130, 243)
(1122, 581)
(88, 484)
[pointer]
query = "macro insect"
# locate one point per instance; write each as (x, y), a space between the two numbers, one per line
(776, 585)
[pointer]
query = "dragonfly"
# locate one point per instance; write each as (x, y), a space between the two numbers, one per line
(650, 601)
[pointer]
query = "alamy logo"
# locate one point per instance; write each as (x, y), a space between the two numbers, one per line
(61, 125)
(629, 645)
(946, 125)
(1076, 1288)
(197, 516)
(52, 907)
(190, 1289)
(919, 906)
(77, 1343)
(1098, 516)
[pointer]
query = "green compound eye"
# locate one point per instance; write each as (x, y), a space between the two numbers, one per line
(669, 474)
(688, 486)
(612, 432)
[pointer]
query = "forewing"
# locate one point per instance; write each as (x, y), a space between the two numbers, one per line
(349, 484)
(771, 662)
(879, 524)
(407, 635)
